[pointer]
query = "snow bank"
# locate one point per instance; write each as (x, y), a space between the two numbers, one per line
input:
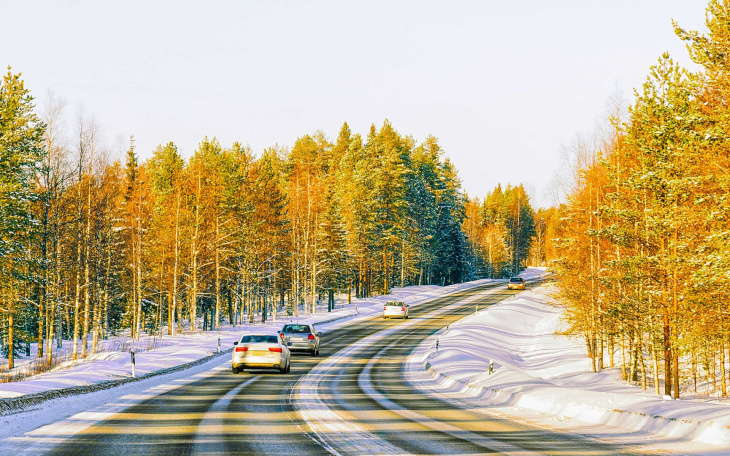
(536, 370)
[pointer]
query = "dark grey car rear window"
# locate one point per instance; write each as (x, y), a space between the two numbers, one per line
(257, 339)
(297, 329)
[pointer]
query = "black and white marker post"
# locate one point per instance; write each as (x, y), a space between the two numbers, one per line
(134, 374)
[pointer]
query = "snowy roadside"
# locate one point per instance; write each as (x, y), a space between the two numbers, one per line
(547, 379)
(110, 369)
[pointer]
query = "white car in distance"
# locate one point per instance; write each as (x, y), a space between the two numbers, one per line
(395, 309)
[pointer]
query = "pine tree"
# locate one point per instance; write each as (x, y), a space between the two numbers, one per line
(21, 155)
(659, 133)
(166, 169)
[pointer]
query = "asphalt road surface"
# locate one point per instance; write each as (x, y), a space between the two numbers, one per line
(351, 400)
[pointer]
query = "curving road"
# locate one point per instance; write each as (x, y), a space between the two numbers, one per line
(352, 400)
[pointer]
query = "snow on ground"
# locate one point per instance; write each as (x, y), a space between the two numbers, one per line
(22, 432)
(537, 376)
(547, 379)
(190, 347)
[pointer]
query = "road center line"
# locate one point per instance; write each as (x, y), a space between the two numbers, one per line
(367, 386)
(323, 420)
(209, 434)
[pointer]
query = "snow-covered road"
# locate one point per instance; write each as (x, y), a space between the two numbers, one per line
(538, 378)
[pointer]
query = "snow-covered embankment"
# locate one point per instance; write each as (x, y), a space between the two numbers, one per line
(536, 370)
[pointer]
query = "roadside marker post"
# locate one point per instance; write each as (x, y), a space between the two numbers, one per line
(134, 373)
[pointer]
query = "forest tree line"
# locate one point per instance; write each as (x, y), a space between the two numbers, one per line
(644, 237)
(91, 247)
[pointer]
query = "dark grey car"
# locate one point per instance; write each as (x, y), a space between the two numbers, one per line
(301, 337)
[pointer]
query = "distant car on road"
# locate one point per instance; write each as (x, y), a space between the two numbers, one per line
(301, 337)
(261, 351)
(516, 283)
(395, 309)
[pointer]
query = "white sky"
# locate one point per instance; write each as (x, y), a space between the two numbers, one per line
(503, 85)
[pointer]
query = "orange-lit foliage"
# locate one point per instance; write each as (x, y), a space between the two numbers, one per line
(172, 245)
(644, 245)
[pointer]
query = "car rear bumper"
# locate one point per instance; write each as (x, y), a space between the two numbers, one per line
(392, 314)
(257, 366)
(272, 361)
(297, 346)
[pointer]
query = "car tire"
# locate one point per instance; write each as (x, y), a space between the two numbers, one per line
(288, 367)
(236, 370)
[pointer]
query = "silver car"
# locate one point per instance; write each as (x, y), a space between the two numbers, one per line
(261, 351)
(301, 337)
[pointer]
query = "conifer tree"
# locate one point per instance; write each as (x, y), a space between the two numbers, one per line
(21, 154)
(166, 170)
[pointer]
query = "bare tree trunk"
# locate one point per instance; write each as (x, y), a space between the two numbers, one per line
(675, 302)
(639, 343)
(272, 298)
(305, 281)
(231, 308)
(611, 351)
(133, 298)
(51, 312)
(655, 365)
(160, 322)
(42, 309)
(87, 248)
(385, 273)
(295, 284)
(694, 367)
(140, 323)
(667, 357)
(59, 335)
(77, 294)
(138, 293)
(194, 252)
(96, 321)
(11, 346)
(87, 291)
(173, 309)
(217, 275)
(314, 285)
(722, 366)
(52, 309)
(636, 354)
(600, 350)
(624, 371)
(179, 318)
(403, 263)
